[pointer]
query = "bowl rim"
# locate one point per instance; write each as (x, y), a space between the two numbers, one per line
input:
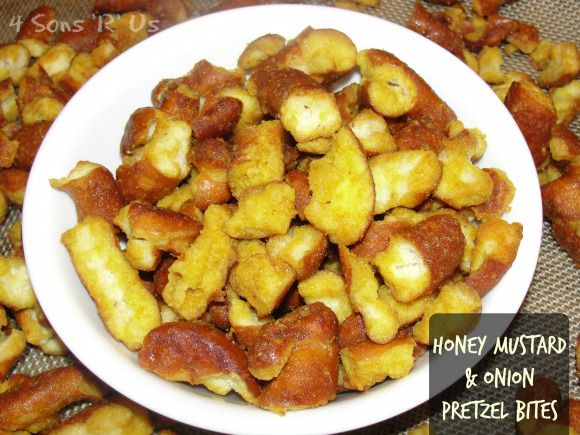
(363, 411)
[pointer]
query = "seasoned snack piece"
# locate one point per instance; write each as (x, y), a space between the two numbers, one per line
(263, 211)
(176, 99)
(140, 128)
(285, 352)
(558, 63)
(416, 134)
(8, 151)
(342, 190)
(196, 353)
(127, 308)
(84, 39)
(14, 59)
(462, 183)
(407, 313)
(561, 200)
(373, 133)
(501, 196)
(9, 109)
(305, 108)
(258, 156)
(35, 25)
(13, 184)
(380, 319)
(243, 320)
(218, 117)
(299, 182)
(324, 54)
(566, 100)
(428, 25)
(534, 113)
(38, 331)
(12, 346)
(387, 86)
(302, 247)
(352, 331)
(454, 298)
(404, 178)
(496, 247)
(156, 168)
(41, 397)
(121, 417)
(259, 278)
(208, 79)
(524, 37)
(348, 102)
(16, 290)
(377, 237)
(418, 259)
(199, 276)
(166, 230)
(368, 363)
(490, 63)
(251, 111)
(564, 145)
(29, 138)
(329, 288)
(316, 146)
(259, 50)
(93, 190)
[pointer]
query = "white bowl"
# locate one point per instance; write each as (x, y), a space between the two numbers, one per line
(90, 128)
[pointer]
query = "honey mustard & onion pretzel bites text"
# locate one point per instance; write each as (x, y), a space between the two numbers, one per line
(297, 244)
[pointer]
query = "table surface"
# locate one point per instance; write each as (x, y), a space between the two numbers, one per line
(556, 284)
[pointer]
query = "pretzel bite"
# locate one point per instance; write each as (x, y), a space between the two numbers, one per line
(176, 99)
(387, 85)
(259, 50)
(348, 101)
(368, 363)
(306, 109)
(376, 238)
(342, 199)
(299, 182)
(302, 247)
(14, 60)
(93, 190)
(14, 235)
(39, 398)
(561, 205)
(416, 134)
(140, 128)
(38, 331)
(243, 320)
(208, 79)
(496, 247)
(251, 110)
(218, 117)
(156, 168)
(501, 196)
(84, 38)
(258, 156)
(329, 288)
(198, 277)
(534, 113)
(82, 68)
(373, 133)
(380, 318)
(407, 313)
(427, 24)
(13, 184)
(127, 308)
(121, 417)
(298, 354)
(35, 25)
(56, 61)
(404, 178)
(462, 183)
(453, 298)
(490, 63)
(12, 346)
(196, 353)
(324, 54)
(261, 279)
(8, 106)
(167, 230)
(566, 100)
(558, 63)
(564, 145)
(16, 290)
(263, 211)
(524, 37)
(127, 29)
(418, 259)
(8, 151)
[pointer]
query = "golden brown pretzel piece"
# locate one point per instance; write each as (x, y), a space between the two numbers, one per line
(284, 354)
(40, 397)
(197, 353)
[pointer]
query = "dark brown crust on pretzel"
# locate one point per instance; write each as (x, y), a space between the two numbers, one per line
(29, 139)
(298, 180)
(207, 78)
(141, 180)
(42, 396)
(218, 117)
(36, 25)
(417, 135)
(137, 129)
(377, 237)
(83, 38)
